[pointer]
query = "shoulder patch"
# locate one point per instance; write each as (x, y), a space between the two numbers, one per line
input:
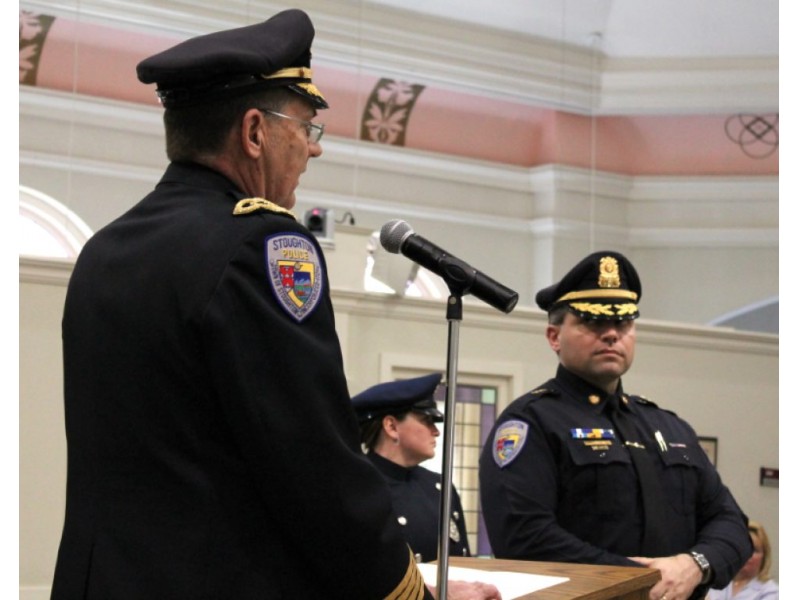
(294, 268)
(249, 205)
(509, 439)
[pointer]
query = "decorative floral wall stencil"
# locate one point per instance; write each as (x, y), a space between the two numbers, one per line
(757, 135)
(33, 30)
(388, 110)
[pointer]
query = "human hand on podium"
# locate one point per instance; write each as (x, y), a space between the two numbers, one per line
(470, 590)
(679, 576)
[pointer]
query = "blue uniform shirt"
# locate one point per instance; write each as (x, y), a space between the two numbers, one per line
(557, 484)
(416, 497)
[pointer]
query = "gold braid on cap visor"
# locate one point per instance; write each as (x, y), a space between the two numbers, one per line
(602, 310)
(297, 73)
(291, 72)
(583, 294)
(605, 310)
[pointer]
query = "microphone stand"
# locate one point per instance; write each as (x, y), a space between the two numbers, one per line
(455, 310)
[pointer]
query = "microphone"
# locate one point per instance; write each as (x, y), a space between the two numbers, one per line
(397, 236)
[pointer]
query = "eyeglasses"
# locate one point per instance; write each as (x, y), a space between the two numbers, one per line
(424, 418)
(314, 131)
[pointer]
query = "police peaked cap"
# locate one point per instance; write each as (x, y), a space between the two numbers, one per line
(395, 397)
(218, 65)
(604, 285)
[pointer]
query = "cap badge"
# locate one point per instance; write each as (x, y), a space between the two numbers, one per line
(509, 439)
(609, 273)
(295, 272)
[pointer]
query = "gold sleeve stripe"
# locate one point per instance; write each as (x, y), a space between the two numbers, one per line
(412, 586)
(579, 295)
(248, 205)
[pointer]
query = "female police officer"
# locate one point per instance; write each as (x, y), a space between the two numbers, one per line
(398, 431)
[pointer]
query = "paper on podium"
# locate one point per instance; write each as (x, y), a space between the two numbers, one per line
(510, 585)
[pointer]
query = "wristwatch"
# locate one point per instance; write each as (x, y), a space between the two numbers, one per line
(703, 564)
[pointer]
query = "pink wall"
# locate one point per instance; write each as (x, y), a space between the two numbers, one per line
(97, 61)
(100, 61)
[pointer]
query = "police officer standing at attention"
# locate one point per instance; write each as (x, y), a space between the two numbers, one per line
(212, 449)
(398, 432)
(578, 470)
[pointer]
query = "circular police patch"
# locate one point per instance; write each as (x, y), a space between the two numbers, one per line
(509, 439)
(294, 268)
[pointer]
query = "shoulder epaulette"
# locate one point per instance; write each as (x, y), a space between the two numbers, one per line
(542, 392)
(643, 400)
(249, 205)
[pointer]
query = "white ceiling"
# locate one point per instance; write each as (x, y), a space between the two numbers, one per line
(627, 28)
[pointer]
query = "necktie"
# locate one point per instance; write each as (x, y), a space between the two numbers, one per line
(654, 537)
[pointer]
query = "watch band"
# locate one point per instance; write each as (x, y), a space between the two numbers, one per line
(703, 565)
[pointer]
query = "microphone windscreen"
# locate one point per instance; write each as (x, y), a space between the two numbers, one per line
(393, 234)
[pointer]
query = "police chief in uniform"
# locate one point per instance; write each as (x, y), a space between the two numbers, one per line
(212, 449)
(398, 432)
(579, 470)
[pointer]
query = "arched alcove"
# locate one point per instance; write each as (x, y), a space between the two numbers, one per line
(47, 228)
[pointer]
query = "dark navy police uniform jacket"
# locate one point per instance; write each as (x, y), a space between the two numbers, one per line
(557, 485)
(212, 448)
(416, 497)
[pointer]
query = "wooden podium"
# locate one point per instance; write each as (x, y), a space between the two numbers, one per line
(586, 582)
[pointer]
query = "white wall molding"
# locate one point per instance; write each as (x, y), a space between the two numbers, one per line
(431, 165)
(465, 58)
(77, 109)
(548, 200)
(521, 225)
(532, 321)
(56, 271)
(114, 170)
(689, 86)
(703, 238)
(522, 319)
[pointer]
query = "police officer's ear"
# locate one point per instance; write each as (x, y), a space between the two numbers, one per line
(553, 335)
(390, 427)
(252, 133)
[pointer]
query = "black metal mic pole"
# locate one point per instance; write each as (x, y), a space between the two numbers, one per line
(454, 317)
(397, 236)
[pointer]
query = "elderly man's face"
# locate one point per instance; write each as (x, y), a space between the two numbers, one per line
(288, 152)
(598, 351)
